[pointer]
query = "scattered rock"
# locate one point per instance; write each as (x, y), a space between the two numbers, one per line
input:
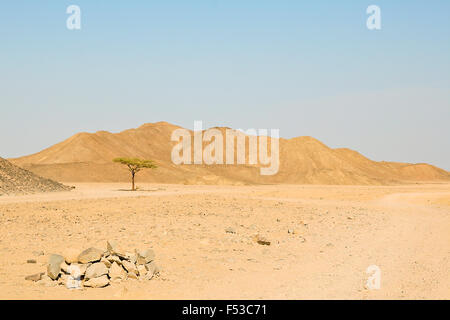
(131, 257)
(38, 253)
(31, 261)
(130, 267)
(65, 267)
(291, 231)
(114, 249)
(230, 230)
(106, 262)
(152, 268)
(148, 276)
(114, 258)
(261, 240)
(99, 282)
(62, 280)
(144, 256)
(142, 270)
(54, 266)
(34, 277)
(78, 270)
(90, 255)
(71, 255)
(117, 273)
(96, 270)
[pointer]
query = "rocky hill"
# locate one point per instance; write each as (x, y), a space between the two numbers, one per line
(15, 180)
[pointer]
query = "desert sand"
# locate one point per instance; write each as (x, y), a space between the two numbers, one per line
(328, 215)
(322, 237)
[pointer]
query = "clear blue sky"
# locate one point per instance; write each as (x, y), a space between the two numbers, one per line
(305, 67)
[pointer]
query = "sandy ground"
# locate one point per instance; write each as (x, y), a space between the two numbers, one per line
(338, 232)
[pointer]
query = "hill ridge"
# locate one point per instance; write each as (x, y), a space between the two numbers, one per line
(87, 157)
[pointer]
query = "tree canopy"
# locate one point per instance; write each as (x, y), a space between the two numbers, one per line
(135, 165)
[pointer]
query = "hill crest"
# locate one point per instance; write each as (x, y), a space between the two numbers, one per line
(303, 160)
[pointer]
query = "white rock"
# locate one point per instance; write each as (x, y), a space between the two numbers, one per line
(78, 270)
(74, 284)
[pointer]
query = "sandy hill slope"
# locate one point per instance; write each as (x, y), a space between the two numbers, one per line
(304, 160)
(15, 180)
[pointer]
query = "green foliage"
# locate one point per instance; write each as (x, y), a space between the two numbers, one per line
(135, 164)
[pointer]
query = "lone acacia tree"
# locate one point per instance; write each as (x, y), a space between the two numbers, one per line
(135, 165)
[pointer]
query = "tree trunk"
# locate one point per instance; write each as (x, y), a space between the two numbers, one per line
(132, 181)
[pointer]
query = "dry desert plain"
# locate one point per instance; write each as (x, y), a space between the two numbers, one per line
(322, 237)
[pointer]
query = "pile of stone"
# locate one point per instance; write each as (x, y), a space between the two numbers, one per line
(15, 180)
(97, 268)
